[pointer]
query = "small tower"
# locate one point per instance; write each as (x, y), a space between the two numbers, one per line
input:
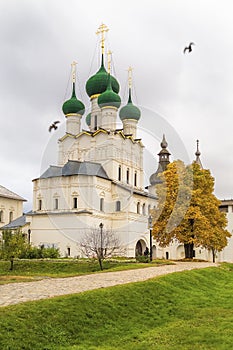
(73, 108)
(109, 102)
(163, 162)
(197, 154)
(130, 114)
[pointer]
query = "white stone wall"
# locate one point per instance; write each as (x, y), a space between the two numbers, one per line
(63, 227)
(227, 253)
(7, 206)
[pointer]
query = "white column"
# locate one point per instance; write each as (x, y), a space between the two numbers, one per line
(73, 124)
(130, 127)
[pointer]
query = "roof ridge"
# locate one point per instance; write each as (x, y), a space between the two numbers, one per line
(10, 194)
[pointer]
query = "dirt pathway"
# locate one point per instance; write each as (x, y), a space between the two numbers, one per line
(15, 293)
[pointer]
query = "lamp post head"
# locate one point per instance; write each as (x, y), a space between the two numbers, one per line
(150, 221)
(101, 225)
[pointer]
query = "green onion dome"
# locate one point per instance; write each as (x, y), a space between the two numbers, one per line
(88, 119)
(130, 111)
(109, 98)
(98, 82)
(73, 105)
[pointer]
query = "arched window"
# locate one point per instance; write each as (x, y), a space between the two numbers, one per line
(144, 209)
(56, 203)
(40, 204)
(75, 202)
(10, 216)
(149, 209)
(101, 204)
(95, 121)
(119, 173)
(135, 178)
(1, 216)
(138, 207)
(127, 175)
(118, 206)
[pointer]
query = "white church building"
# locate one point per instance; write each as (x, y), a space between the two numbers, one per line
(98, 178)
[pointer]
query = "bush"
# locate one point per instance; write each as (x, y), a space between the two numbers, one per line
(40, 253)
(142, 258)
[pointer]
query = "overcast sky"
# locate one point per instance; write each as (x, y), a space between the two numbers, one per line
(187, 97)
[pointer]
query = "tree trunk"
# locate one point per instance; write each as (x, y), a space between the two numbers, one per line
(100, 263)
(213, 252)
(188, 249)
(12, 264)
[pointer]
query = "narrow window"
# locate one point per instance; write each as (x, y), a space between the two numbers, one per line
(10, 216)
(144, 209)
(68, 251)
(119, 173)
(56, 203)
(135, 178)
(138, 207)
(95, 120)
(127, 175)
(101, 204)
(149, 209)
(1, 216)
(39, 204)
(118, 206)
(75, 202)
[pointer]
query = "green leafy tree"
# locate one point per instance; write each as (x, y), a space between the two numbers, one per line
(188, 211)
(12, 245)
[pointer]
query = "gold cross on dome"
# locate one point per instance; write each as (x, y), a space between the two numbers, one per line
(101, 30)
(109, 53)
(73, 68)
(130, 77)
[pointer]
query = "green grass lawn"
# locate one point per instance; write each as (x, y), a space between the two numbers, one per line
(185, 310)
(29, 270)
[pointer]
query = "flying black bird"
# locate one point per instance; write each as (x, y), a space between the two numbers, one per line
(189, 48)
(53, 126)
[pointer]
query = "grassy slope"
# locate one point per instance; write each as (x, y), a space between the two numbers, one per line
(187, 310)
(27, 270)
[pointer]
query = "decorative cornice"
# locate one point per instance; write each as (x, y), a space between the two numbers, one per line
(94, 96)
(111, 107)
(130, 119)
(73, 114)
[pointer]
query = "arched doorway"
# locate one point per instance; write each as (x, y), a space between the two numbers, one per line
(140, 248)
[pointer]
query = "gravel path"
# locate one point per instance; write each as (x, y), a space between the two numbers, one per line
(15, 293)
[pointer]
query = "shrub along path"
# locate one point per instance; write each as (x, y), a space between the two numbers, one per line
(15, 293)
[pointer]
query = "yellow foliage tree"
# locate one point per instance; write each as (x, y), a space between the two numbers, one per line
(188, 211)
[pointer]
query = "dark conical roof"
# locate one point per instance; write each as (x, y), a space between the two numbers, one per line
(163, 162)
(197, 154)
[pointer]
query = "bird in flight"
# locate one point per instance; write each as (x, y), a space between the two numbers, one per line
(189, 47)
(54, 125)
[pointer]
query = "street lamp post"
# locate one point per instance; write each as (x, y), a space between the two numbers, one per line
(101, 239)
(29, 236)
(150, 228)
